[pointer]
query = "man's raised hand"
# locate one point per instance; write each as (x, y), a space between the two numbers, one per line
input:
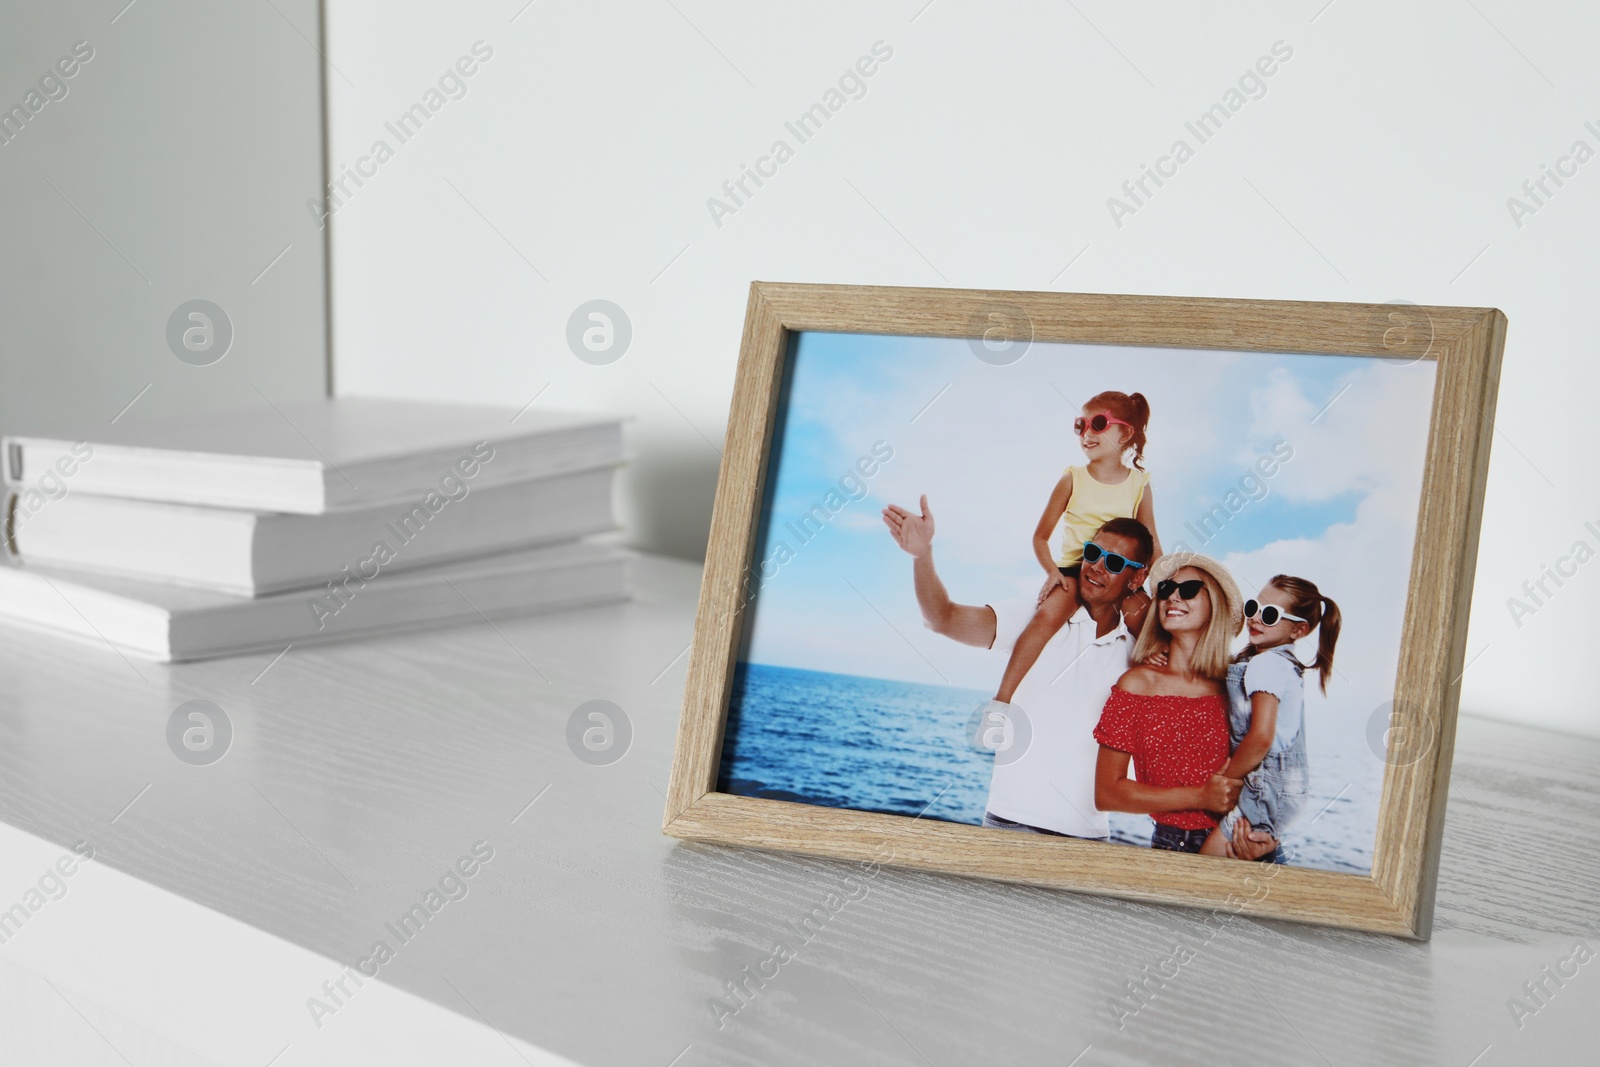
(912, 532)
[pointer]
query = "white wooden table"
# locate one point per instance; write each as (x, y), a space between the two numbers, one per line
(222, 897)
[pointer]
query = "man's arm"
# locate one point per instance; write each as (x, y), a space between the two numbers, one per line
(970, 624)
(967, 623)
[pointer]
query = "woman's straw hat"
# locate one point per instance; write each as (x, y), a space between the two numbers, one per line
(1173, 562)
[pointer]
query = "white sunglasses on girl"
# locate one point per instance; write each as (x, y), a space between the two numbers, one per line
(1270, 613)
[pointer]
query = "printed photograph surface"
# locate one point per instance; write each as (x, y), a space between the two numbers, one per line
(1146, 596)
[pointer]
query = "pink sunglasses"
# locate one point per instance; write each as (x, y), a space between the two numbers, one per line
(1097, 423)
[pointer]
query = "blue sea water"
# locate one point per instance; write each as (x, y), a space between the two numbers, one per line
(873, 744)
(849, 742)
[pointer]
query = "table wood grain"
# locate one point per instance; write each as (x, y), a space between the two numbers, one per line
(359, 773)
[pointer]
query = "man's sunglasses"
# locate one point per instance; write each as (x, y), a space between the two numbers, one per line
(1187, 590)
(1097, 423)
(1093, 553)
(1270, 613)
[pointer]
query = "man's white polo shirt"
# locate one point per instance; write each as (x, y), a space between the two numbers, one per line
(1051, 784)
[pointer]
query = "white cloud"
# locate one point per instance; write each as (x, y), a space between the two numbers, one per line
(1353, 440)
(1371, 441)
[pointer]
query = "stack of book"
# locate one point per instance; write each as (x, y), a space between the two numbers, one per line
(253, 530)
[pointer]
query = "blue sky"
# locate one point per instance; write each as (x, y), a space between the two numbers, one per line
(987, 443)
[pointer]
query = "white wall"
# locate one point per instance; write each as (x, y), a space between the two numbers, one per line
(1377, 167)
(175, 168)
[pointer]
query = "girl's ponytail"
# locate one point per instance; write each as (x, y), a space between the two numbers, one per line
(1327, 637)
(1141, 419)
(1320, 613)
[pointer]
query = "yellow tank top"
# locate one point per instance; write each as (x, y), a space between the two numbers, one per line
(1092, 505)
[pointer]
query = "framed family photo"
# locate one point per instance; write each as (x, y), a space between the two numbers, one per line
(1154, 597)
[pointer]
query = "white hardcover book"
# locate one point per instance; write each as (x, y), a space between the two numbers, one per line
(310, 458)
(168, 623)
(251, 553)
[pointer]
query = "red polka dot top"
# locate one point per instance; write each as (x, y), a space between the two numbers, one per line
(1174, 741)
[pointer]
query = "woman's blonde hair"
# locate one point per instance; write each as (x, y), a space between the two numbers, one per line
(1211, 653)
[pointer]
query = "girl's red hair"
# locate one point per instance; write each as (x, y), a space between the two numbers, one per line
(1131, 408)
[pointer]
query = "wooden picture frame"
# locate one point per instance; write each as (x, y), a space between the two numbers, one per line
(1397, 898)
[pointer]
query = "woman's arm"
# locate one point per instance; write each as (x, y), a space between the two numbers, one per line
(1115, 791)
(1053, 510)
(1257, 741)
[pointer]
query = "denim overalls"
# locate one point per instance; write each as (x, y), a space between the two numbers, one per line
(1275, 792)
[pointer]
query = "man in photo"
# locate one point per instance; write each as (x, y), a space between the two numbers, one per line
(1043, 777)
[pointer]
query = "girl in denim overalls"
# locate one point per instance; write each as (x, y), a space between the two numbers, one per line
(1266, 715)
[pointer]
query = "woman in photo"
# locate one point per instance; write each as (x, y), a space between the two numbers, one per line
(1170, 719)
